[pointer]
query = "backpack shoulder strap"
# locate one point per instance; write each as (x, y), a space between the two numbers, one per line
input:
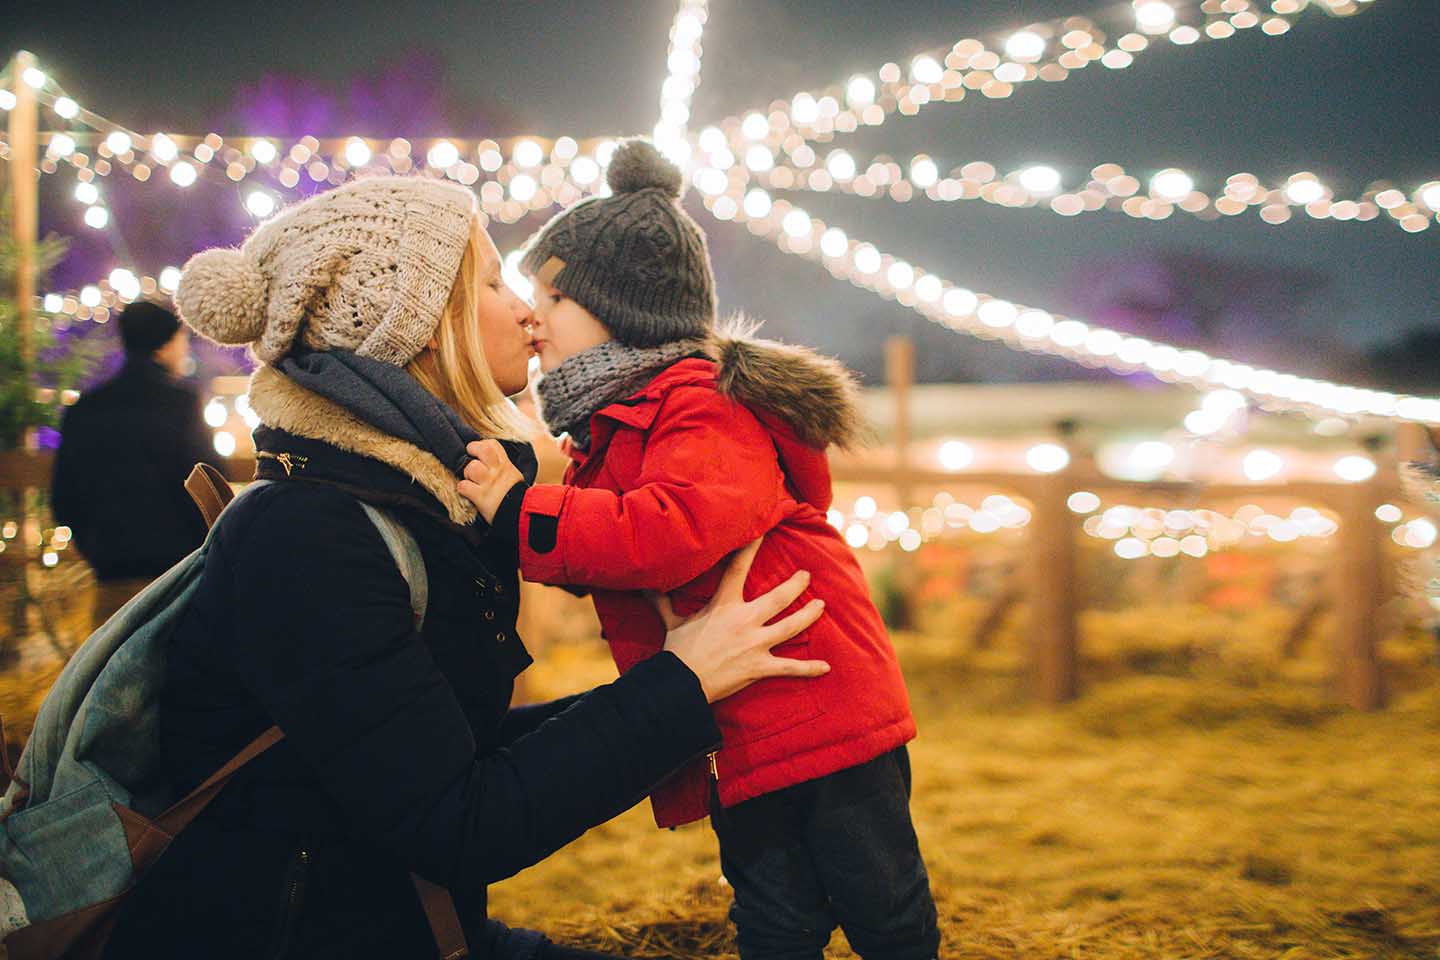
(211, 493)
(406, 551)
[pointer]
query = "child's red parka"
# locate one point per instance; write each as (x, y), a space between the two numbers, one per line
(706, 458)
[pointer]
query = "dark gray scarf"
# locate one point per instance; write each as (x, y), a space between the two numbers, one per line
(570, 394)
(392, 401)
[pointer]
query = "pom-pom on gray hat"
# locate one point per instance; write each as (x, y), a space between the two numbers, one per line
(635, 259)
(366, 267)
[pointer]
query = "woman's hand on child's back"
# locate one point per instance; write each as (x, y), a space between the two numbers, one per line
(727, 645)
(488, 477)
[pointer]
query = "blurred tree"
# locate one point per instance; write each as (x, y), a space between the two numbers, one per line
(58, 363)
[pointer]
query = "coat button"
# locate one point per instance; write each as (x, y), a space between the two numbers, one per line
(489, 614)
(499, 638)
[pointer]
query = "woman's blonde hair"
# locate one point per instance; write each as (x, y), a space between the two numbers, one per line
(456, 370)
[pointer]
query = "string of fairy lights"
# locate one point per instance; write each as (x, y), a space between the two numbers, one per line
(1106, 187)
(513, 177)
(726, 196)
(517, 176)
(796, 232)
(1050, 52)
(1133, 532)
(671, 133)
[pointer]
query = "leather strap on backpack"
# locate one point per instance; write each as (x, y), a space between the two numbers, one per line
(179, 815)
(207, 487)
(444, 920)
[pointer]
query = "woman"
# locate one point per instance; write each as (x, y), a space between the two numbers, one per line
(387, 340)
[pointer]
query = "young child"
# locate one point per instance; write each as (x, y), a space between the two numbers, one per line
(688, 444)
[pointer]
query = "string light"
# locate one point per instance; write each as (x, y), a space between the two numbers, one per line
(357, 153)
(990, 317)
(994, 69)
(260, 204)
(1154, 16)
(1109, 187)
(1047, 457)
(956, 455)
(182, 174)
(1160, 532)
(163, 148)
(567, 177)
(1355, 468)
(570, 174)
(1262, 465)
(1136, 532)
(95, 301)
(683, 61)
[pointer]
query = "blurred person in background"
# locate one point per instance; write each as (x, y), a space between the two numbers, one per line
(126, 448)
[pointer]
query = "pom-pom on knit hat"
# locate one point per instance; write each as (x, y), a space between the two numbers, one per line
(366, 267)
(635, 259)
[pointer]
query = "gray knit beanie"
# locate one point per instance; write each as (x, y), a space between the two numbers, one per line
(634, 259)
(366, 267)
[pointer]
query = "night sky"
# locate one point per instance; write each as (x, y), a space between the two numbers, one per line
(1352, 99)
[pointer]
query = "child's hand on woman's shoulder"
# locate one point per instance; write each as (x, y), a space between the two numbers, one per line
(488, 477)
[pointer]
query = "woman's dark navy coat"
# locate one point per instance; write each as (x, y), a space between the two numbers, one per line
(400, 753)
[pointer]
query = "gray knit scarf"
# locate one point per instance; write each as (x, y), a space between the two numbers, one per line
(389, 399)
(570, 394)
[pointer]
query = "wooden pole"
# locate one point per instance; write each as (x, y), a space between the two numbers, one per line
(1054, 601)
(1359, 593)
(24, 197)
(900, 375)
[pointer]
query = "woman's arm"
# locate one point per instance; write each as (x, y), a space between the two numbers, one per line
(527, 719)
(323, 640)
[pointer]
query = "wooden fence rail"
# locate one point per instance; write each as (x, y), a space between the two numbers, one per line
(1357, 584)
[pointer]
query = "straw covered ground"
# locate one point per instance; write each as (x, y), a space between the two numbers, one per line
(1158, 817)
(1201, 800)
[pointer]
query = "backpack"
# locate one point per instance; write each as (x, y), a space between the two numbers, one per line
(85, 813)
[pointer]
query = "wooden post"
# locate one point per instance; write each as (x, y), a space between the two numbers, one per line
(24, 192)
(1054, 603)
(1359, 592)
(900, 375)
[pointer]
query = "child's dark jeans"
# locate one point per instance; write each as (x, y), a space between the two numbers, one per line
(840, 849)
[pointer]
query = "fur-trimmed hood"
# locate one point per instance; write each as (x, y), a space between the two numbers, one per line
(281, 403)
(814, 394)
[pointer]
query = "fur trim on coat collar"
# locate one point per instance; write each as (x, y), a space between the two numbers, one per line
(816, 395)
(285, 405)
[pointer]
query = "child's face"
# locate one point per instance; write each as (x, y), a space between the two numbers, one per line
(563, 328)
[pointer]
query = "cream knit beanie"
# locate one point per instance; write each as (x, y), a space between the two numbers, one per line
(366, 267)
